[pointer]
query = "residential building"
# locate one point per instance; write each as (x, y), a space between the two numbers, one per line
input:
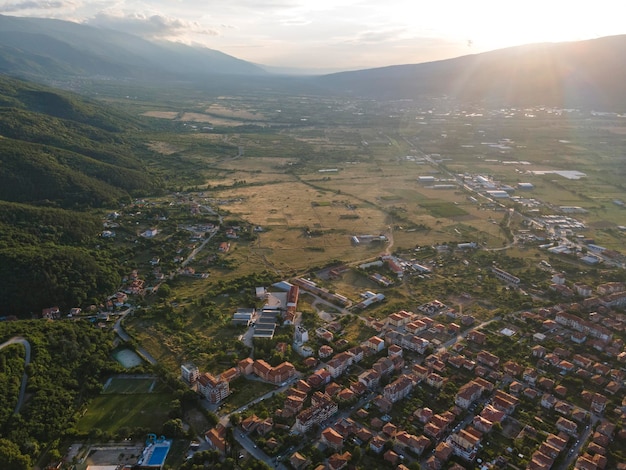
(375, 343)
(214, 389)
(567, 426)
(488, 359)
(332, 439)
(216, 437)
(322, 408)
(339, 364)
(468, 394)
(189, 373)
(398, 389)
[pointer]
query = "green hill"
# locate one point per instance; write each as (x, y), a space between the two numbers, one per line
(44, 49)
(60, 157)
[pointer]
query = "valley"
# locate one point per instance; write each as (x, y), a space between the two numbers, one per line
(300, 276)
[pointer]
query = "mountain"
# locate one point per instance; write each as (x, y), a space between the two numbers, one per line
(60, 156)
(584, 73)
(53, 49)
(58, 149)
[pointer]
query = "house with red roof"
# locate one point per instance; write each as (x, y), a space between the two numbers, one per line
(332, 438)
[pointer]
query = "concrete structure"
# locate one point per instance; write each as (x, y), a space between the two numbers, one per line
(189, 373)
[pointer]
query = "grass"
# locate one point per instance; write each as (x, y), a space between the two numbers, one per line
(243, 391)
(176, 455)
(109, 412)
(442, 209)
(129, 385)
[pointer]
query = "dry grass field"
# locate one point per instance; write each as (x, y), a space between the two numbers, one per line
(243, 113)
(161, 114)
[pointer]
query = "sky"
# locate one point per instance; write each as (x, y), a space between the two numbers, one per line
(329, 35)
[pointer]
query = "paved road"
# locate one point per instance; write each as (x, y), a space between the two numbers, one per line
(573, 453)
(197, 250)
(244, 440)
(126, 337)
(26, 344)
(462, 335)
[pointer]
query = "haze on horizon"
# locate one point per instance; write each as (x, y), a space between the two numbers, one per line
(330, 35)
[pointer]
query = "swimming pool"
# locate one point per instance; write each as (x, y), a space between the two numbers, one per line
(158, 455)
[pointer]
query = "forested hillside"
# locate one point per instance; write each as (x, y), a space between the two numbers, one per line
(68, 363)
(60, 157)
(44, 49)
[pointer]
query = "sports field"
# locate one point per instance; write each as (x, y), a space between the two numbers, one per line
(109, 412)
(130, 385)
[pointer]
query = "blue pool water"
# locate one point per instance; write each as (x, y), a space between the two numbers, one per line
(158, 455)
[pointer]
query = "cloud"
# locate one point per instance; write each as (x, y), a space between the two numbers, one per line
(152, 26)
(35, 5)
(376, 37)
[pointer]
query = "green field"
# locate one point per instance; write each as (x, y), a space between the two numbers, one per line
(111, 412)
(307, 217)
(439, 208)
(243, 391)
(130, 385)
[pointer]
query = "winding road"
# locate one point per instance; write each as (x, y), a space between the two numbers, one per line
(26, 344)
(126, 337)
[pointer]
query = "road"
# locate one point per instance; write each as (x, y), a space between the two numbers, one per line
(126, 337)
(26, 344)
(197, 250)
(462, 335)
(243, 439)
(573, 453)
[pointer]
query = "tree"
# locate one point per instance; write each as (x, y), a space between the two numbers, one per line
(11, 457)
(256, 465)
(235, 419)
(164, 291)
(175, 409)
(173, 428)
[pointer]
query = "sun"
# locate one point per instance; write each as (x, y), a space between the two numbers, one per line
(495, 24)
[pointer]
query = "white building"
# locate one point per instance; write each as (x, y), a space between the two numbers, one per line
(189, 373)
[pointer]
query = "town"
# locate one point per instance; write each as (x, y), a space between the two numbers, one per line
(436, 387)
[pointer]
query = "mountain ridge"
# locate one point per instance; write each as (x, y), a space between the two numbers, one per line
(30, 47)
(560, 74)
